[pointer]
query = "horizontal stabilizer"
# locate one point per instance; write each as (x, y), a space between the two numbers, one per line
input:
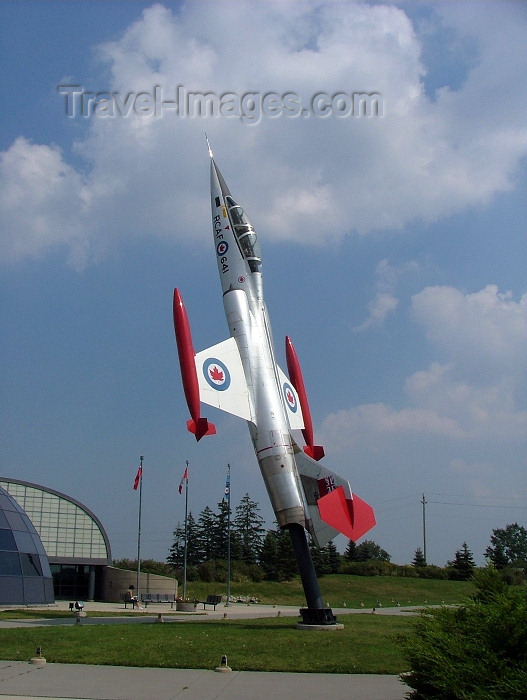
(353, 517)
(331, 505)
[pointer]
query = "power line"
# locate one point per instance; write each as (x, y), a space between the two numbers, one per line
(479, 505)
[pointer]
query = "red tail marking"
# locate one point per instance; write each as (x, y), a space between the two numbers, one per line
(352, 517)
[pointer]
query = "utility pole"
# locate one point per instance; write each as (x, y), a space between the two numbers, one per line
(423, 501)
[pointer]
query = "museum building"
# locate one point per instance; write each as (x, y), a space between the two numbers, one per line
(72, 537)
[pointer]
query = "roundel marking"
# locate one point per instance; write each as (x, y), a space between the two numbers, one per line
(290, 398)
(216, 374)
(222, 247)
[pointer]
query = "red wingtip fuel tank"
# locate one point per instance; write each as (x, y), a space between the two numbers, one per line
(197, 425)
(295, 375)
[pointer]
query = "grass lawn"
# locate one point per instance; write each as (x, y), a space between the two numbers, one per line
(341, 590)
(367, 644)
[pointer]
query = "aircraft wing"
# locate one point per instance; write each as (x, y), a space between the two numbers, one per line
(221, 379)
(291, 401)
(222, 384)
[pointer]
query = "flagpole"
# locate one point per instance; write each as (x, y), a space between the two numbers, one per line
(138, 586)
(228, 493)
(186, 536)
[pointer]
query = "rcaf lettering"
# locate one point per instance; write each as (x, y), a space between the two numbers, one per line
(218, 227)
(219, 236)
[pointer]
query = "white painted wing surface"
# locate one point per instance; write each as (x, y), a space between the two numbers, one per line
(221, 379)
(291, 402)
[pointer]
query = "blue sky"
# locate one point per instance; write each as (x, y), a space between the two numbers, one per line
(393, 250)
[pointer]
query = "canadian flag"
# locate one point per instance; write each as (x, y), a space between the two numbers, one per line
(185, 478)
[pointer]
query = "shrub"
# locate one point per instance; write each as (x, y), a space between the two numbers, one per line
(431, 571)
(475, 652)
(368, 568)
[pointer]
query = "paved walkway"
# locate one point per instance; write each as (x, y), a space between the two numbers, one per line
(23, 680)
(19, 679)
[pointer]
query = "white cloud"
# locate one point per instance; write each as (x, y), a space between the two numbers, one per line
(482, 332)
(474, 398)
(387, 277)
(310, 180)
(383, 304)
(43, 203)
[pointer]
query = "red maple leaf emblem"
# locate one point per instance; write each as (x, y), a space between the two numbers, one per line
(216, 374)
(290, 397)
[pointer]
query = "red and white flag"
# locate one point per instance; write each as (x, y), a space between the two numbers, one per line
(185, 478)
(138, 477)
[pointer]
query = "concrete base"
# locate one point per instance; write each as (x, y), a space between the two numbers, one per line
(38, 661)
(223, 669)
(319, 628)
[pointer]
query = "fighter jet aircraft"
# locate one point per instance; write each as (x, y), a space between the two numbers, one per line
(241, 376)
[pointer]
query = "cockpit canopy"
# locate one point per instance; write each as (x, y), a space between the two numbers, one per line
(245, 234)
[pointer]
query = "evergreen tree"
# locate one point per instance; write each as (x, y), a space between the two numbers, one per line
(351, 551)
(288, 564)
(277, 557)
(320, 558)
(193, 545)
(269, 559)
(249, 526)
(326, 559)
(463, 565)
(419, 558)
(206, 534)
(221, 527)
(333, 557)
(474, 651)
(220, 531)
(177, 550)
(365, 551)
(370, 551)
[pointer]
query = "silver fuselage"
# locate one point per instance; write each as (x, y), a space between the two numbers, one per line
(239, 266)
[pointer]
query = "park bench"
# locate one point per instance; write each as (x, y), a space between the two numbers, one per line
(127, 600)
(211, 600)
(157, 598)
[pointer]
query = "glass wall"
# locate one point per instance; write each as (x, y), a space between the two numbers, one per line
(25, 576)
(66, 529)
